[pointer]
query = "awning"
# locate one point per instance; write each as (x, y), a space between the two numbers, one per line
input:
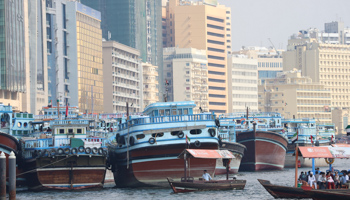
(207, 154)
(340, 145)
(340, 152)
(315, 152)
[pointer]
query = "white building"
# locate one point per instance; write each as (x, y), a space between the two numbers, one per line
(242, 83)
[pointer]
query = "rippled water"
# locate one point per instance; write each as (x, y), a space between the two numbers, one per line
(253, 189)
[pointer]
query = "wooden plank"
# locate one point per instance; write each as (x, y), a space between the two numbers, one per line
(174, 129)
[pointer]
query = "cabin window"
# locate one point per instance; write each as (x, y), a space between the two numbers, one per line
(25, 124)
(161, 112)
(25, 132)
(167, 112)
(45, 113)
(157, 134)
(174, 111)
(19, 124)
(185, 111)
(190, 111)
(70, 130)
(79, 130)
(179, 112)
(175, 133)
(196, 131)
(140, 136)
(61, 131)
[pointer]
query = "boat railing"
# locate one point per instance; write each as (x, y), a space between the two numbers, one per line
(167, 119)
(69, 122)
(250, 115)
(38, 143)
(38, 134)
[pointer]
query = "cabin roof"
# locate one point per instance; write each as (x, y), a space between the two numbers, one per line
(158, 105)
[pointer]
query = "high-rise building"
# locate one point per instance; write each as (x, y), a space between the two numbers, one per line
(186, 75)
(340, 118)
(328, 64)
(242, 83)
(150, 84)
(37, 55)
(74, 49)
(14, 54)
(135, 23)
(292, 94)
(122, 72)
(203, 25)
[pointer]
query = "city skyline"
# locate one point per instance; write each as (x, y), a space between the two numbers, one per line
(256, 21)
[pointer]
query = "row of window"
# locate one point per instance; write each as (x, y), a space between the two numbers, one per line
(216, 34)
(215, 27)
(215, 19)
(217, 103)
(245, 96)
(244, 66)
(244, 73)
(216, 50)
(215, 42)
(216, 57)
(217, 96)
(245, 103)
(244, 81)
(216, 65)
(216, 80)
(216, 88)
(216, 73)
(245, 88)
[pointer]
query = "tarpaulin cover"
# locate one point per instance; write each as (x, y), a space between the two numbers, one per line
(340, 145)
(315, 152)
(340, 152)
(207, 154)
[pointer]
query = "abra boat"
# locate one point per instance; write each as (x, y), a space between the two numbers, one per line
(283, 192)
(189, 184)
(62, 157)
(327, 194)
(145, 149)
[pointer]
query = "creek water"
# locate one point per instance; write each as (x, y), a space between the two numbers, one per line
(253, 190)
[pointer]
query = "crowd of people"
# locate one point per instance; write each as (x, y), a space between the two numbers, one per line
(321, 180)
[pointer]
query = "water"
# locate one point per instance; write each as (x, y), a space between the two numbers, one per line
(253, 190)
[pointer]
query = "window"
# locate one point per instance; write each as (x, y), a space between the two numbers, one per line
(157, 134)
(216, 73)
(175, 133)
(217, 103)
(168, 74)
(216, 50)
(215, 27)
(217, 96)
(215, 42)
(195, 131)
(79, 131)
(64, 16)
(216, 65)
(140, 136)
(70, 130)
(215, 19)
(216, 57)
(216, 34)
(216, 88)
(185, 111)
(161, 112)
(216, 80)
(61, 131)
(168, 65)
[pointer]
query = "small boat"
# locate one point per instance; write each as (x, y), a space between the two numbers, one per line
(283, 192)
(327, 194)
(188, 184)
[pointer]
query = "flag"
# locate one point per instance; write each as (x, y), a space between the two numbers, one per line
(188, 141)
(295, 137)
(311, 138)
(332, 139)
(67, 110)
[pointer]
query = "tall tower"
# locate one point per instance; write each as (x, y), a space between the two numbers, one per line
(204, 26)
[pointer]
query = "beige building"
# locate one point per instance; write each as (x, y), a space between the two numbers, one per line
(340, 117)
(243, 83)
(150, 84)
(328, 64)
(121, 79)
(206, 27)
(294, 95)
(186, 76)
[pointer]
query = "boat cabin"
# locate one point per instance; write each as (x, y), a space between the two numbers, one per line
(170, 108)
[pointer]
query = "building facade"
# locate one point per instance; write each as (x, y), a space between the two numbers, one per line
(122, 74)
(294, 95)
(205, 27)
(186, 75)
(340, 117)
(328, 64)
(243, 83)
(150, 84)
(74, 51)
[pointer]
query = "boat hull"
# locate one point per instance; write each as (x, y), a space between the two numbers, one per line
(183, 187)
(265, 150)
(238, 151)
(66, 173)
(283, 192)
(328, 194)
(150, 166)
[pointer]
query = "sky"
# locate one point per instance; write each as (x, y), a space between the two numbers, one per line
(254, 21)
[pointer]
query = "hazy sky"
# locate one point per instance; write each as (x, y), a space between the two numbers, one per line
(254, 21)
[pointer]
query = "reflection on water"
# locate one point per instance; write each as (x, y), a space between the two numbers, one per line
(253, 189)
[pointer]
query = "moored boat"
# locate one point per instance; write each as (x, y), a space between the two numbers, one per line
(283, 192)
(265, 150)
(64, 158)
(144, 151)
(327, 194)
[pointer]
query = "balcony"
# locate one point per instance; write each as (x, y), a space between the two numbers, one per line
(128, 68)
(127, 58)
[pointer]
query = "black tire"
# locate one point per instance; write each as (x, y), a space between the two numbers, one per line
(197, 143)
(121, 140)
(180, 134)
(87, 150)
(67, 151)
(117, 137)
(94, 150)
(152, 140)
(60, 151)
(132, 141)
(44, 152)
(53, 151)
(211, 131)
(100, 151)
(217, 122)
(105, 153)
(81, 149)
(74, 151)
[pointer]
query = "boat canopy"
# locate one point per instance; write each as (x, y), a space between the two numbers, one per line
(340, 145)
(207, 154)
(325, 152)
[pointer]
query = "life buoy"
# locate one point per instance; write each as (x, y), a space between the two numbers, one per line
(74, 151)
(87, 150)
(211, 131)
(197, 143)
(94, 150)
(180, 134)
(329, 161)
(105, 152)
(60, 151)
(299, 164)
(217, 122)
(152, 140)
(67, 151)
(100, 151)
(132, 141)
(81, 149)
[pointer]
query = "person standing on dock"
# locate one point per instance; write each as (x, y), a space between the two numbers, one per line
(206, 176)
